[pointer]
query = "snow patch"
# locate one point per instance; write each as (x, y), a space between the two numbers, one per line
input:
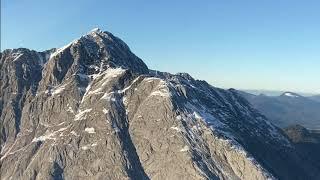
(41, 60)
(176, 128)
(161, 93)
(16, 56)
(105, 111)
(125, 100)
(84, 147)
(95, 30)
(60, 124)
(44, 137)
(151, 79)
(96, 91)
(202, 114)
(74, 133)
(70, 110)
(162, 88)
(82, 114)
(90, 130)
(115, 127)
(196, 115)
(58, 90)
(184, 149)
(289, 94)
(107, 96)
(60, 50)
(107, 76)
(50, 135)
(133, 82)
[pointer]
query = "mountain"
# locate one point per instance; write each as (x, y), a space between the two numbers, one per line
(290, 95)
(93, 110)
(287, 109)
(272, 92)
(307, 142)
(315, 98)
(266, 92)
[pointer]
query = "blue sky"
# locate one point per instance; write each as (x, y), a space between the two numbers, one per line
(245, 44)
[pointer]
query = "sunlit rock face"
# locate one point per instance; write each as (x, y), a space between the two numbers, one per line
(93, 110)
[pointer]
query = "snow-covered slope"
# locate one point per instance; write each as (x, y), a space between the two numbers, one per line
(93, 110)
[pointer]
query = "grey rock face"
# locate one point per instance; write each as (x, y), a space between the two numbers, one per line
(93, 110)
(306, 142)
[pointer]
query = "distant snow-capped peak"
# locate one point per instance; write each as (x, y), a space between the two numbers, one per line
(290, 94)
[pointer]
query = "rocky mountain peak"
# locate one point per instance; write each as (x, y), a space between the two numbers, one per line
(91, 54)
(102, 49)
(93, 110)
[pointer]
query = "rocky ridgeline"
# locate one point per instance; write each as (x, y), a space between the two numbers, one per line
(93, 110)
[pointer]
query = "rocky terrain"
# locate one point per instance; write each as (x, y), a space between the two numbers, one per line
(93, 110)
(306, 142)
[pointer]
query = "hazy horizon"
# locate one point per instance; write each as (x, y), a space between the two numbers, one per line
(244, 45)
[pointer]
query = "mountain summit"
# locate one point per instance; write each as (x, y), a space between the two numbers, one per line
(93, 110)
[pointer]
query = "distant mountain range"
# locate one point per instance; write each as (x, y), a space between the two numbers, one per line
(315, 98)
(288, 108)
(274, 92)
